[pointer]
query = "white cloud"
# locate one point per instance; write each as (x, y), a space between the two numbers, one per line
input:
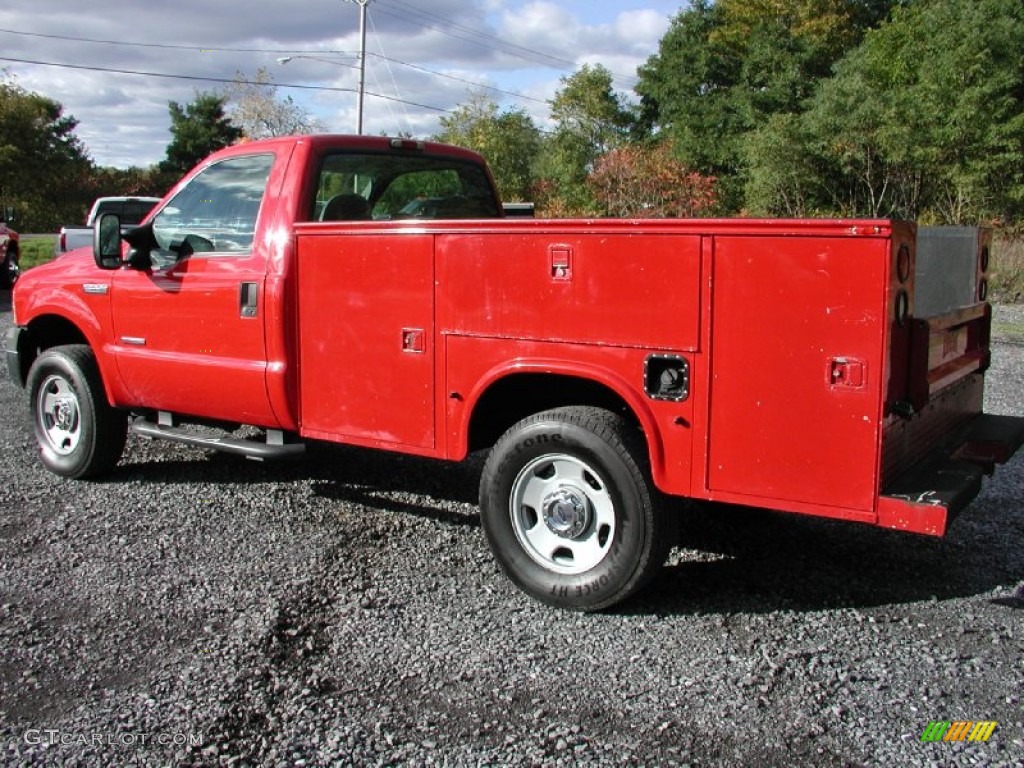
(123, 118)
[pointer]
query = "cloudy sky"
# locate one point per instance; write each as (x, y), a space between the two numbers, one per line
(115, 64)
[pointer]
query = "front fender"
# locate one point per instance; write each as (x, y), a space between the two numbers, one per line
(50, 316)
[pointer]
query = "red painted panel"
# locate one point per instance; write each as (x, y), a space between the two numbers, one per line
(181, 342)
(364, 299)
(786, 314)
(572, 285)
(475, 364)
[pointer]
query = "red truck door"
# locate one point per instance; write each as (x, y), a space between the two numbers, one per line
(798, 327)
(189, 332)
(366, 330)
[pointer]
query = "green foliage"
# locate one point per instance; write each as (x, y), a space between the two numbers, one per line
(784, 177)
(418, 185)
(197, 129)
(591, 120)
(724, 69)
(924, 120)
(508, 140)
(43, 165)
(36, 250)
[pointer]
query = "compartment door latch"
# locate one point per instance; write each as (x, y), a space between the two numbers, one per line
(846, 373)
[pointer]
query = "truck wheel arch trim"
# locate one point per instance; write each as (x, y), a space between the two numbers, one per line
(630, 395)
(84, 322)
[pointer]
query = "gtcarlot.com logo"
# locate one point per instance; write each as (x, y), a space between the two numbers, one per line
(959, 730)
(52, 736)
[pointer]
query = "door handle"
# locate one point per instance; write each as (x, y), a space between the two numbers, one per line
(248, 299)
(560, 262)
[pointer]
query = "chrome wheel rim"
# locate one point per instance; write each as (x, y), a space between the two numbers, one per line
(562, 513)
(58, 415)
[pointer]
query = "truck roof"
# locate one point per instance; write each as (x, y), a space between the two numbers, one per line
(326, 141)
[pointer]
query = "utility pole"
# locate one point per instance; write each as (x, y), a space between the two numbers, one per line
(362, 60)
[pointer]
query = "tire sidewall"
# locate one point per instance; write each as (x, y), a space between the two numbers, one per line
(614, 576)
(76, 463)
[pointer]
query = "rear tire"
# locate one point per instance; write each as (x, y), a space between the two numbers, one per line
(569, 510)
(79, 433)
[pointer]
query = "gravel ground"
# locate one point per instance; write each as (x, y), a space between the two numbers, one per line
(198, 609)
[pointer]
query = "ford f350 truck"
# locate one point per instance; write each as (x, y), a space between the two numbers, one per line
(295, 286)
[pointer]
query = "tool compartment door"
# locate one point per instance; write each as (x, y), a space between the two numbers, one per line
(798, 334)
(366, 338)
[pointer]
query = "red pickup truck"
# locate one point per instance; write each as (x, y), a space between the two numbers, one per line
(295, 285)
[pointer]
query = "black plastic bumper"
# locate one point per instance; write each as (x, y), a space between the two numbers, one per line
(12, 346)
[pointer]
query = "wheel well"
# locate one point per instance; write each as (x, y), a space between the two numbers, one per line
(45, 332)
(517, 396)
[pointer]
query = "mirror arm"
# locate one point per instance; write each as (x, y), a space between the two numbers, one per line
(139, 258)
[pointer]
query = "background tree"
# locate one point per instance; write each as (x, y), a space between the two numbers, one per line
(508, 140)
(590, 120)
(253, 106)
(197, 129)
(648, 181)
(43, 165)
(925, 120)
(724, 69)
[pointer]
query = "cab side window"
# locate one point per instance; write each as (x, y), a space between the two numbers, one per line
(216, 212)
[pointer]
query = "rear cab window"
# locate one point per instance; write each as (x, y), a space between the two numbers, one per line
(387, 186)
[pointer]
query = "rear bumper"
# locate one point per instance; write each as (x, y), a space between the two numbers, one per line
(926, 497)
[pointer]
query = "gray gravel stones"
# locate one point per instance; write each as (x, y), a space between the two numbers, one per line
(198, 609)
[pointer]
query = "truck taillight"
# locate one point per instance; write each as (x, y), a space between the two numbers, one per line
(903, 268)
(901, 300)
(408, 144)
(984, 257)
(63, 241)
(902, 308)
(902, 282)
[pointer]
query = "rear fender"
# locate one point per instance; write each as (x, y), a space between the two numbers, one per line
(608, 379)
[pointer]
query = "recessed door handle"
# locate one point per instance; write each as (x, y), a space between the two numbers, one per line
(248, 299)
(560, 261)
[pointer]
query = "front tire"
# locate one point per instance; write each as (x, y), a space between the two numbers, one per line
(79, 433)
(569, 510)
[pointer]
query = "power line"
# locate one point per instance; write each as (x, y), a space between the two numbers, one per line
(458, 79)
(445, 25)
(221, 80)
(294, 52)
(425, 19)
(170, 46)
(470, 35)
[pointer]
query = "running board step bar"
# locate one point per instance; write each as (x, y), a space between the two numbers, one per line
(275, 446)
